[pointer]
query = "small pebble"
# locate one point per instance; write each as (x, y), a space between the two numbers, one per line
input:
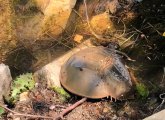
(52, 107)
(105, 110)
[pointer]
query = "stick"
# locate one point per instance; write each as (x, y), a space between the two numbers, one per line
(70, 108)
(64, 112)
(26, 115)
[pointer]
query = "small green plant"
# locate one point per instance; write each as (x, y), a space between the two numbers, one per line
(1, 111)
(142, 90)
(21, 84)
(62, 93)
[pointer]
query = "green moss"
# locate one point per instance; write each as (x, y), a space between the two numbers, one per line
(2, 111)
(142, 90)
(21, 84)
(63, 95)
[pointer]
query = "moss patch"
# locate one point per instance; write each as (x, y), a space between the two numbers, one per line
(63, 95)
(21, 84)
(142, 90)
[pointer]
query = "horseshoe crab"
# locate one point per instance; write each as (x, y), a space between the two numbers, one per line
(95, 72)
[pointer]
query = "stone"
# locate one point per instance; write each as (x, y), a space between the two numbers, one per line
(101, 23)
(5, 81)
(56, 15)
(52, 20)
(78, 38)
(157, 116)
(24, 97)
(7, 31)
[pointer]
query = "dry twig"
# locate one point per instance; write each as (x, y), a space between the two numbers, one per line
(70, 108)
(25, 115)
(64, 112)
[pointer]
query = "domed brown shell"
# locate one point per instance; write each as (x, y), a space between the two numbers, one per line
(95, 72)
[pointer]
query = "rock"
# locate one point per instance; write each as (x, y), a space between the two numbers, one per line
(5, 81)
(101, 22)
(51, 71)
(157, 116)
(24, 97)
(56, 15)
(50, 21)
(98, 17)
(7, 31)
(78, 38)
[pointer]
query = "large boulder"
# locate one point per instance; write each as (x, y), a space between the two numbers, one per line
(49, 20)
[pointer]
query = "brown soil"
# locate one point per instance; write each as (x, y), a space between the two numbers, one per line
(148, 50)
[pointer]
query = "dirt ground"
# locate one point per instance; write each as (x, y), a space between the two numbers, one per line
(149, 52)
